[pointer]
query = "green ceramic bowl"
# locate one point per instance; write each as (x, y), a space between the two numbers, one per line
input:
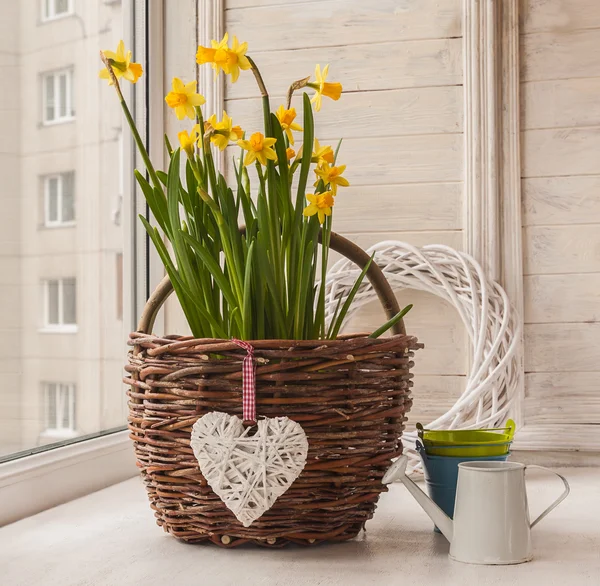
(468, 442)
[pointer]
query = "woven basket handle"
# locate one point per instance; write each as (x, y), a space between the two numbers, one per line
(337, 243)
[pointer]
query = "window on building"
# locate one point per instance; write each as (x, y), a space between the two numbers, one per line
(52, 9)
(59, 199)
(60, 306)
(57, 91)
(59, 402)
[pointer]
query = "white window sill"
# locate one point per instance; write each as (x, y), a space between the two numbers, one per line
(58, 121)
(72, 329)
(399, 547)
(57, 225)
(61, 16)
(36, 482)
(58, 435)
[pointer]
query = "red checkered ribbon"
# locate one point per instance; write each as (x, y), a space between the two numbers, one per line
(248, 381)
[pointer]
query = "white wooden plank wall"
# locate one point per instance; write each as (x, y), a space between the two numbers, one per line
(560, 69)
(401, 117)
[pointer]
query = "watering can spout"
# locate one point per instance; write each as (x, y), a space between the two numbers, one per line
(397, 471)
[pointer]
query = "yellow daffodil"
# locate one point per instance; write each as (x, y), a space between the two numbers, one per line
(323, 87)
(290, 153)
(183, 98)
(205, 55)
(236, 59)
(322, 154)
(320, 204)
(224, 58)
(122, 65)
(258, 147)
(331, 176)
(224, 131)
(187, 140)
(286, 119)
(209, 54)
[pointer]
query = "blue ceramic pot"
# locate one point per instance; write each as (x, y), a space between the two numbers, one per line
(441, 476)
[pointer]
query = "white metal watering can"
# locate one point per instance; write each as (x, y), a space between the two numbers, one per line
(491, 517)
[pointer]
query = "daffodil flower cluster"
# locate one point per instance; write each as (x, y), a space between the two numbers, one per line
(261, 281)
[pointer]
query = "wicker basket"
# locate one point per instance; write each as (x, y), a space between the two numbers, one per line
(350, 395)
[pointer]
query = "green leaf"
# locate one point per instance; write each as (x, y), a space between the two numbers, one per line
(168, 146)
(213, 267)
(339, 319)
(185, 299)
(272, 302)
(162, 176)
(337, 308)
(247, 317)
(156, 201)
(337, 150)
(391, 322)
(307, 147)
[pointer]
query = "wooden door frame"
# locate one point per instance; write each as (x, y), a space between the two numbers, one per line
(492, 202)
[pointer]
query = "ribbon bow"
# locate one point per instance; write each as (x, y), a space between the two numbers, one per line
(248, 381)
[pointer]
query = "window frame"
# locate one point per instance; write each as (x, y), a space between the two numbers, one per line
(56, 73)
(61, 327)
(57, 430)
(59, 223)
(48, 10)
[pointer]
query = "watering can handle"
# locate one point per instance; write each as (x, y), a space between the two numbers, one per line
(559, 500)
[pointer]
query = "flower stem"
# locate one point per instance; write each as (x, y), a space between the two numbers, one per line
(265, 97)
(136, 135)
(297, 85)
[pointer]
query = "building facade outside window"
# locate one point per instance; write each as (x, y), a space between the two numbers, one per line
(60, 305)
(53, 9)
(59, 407)
(59, 199)
(61, 164)
(57, 96)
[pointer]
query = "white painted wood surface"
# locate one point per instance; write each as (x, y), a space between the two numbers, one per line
(348, 23)
(561, 200)
(394, 112)
(553, 398)
(560, 118)
(558, 16)
(401, 208)
(562, 249)
(561, 103)
(369, 67)
(562, 347)
(562, 298)
(563, 151)
(560, 54)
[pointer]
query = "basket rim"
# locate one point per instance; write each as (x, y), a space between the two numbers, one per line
(175, 341)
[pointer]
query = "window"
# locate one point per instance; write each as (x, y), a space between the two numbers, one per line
(53, 9)
(119, 291)
(59, 199)
(59, 402)
(57, 91)
(60, 305)
(60, 290)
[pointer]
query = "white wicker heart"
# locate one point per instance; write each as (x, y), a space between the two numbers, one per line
(484, 307)
(248, 473)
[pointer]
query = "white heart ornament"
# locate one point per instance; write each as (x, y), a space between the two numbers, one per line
(248, 473)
